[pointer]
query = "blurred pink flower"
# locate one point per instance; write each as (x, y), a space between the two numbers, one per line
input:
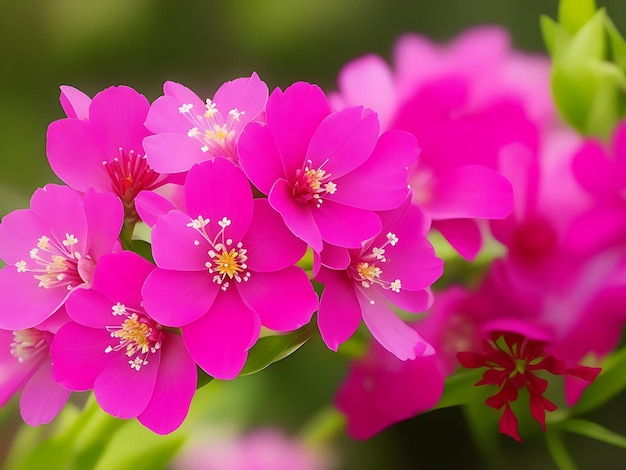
(326, 173)
(135, 367)
(220, 265)
(51, 251)
(188, 130)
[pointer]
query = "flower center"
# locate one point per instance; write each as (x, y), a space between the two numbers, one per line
(366, 270)
(28, 344)
(213, 130)
(57, 264)
(227, 260)
(534, 239)
(130, 174)
(138, 336)
(313, 184)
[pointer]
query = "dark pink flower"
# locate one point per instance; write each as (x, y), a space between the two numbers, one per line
(397, 268)
(189, 130)
(51, 251)
(226, 267)
(136, 367)
(99, 144)
(326, 173)
(25, 366)
(513, 360)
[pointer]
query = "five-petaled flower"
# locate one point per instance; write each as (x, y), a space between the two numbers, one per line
(220, 265)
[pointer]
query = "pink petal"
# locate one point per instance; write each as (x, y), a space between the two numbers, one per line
(25, 304)
(78, 355)
(344, 140)
(270, 244)
(335, 257)
(360, 77)
(259, 157)
(118, 113)
(293, 117)
(20, 231)
(410, 301)
(173, 244)
(463, 234)
(14, 374)
(105, 215)
(91, 308)
(74, 102)
(123, 391)
(392, 333)
(471, 191)
(219, 341)
(151, 205)
(164, 115)
(174, 388)
(220, 189)
(42, 398)
(296, 216)
(176, 298)
(289, 310)
(120, 276)
(381, 183)
(339, 313)
(244, 94)
(75, 154)
(595, 171)
(596, 228)
(170, 152)
(344, 225)
(47, 202)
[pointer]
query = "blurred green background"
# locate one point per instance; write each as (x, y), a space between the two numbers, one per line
(92, 44)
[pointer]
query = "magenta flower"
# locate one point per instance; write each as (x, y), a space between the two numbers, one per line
(51, 251)
(135, 367)
(463, 112)
(326, 173)
(189, 130)
(397, 268)
(101, 145)
(25, 366)
(225, 269)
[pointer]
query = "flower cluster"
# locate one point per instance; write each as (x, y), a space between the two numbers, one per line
(189, 228)
(248, 199)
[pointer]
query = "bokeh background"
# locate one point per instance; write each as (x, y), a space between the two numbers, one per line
(92, 44)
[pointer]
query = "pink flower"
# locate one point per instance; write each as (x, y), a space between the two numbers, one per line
(25, 366)
(189, 130)
(135, 367)
(225, 269)
(397, 268)
(51, 251)
(381, 390)
(103, 147)
(326, 173)
(463, 102)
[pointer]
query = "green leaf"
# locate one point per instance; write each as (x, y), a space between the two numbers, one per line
(610, 382)
(617, 43)
(269, 349)
(573, 14)
(143, 249)
(460, 389)
(593, 431)
(553, 34)
(559, 453)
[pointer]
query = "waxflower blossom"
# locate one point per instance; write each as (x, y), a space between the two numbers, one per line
(189, 130)
(101, 145)
(25, 366)
(396, 268)
(326, 173)
(135, 366)
(51, 251)
(512, 360)
(220, 267)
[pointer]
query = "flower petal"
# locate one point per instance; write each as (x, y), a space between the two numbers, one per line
(345, 226)
(42, 398)
(259, 157)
